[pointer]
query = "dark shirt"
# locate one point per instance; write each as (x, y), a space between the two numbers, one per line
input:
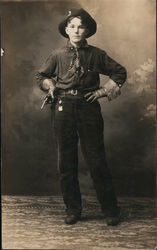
(79, 68)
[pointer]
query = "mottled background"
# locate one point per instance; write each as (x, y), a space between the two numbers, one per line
(126, 30)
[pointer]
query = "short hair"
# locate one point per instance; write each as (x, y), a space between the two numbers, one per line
(72, 17)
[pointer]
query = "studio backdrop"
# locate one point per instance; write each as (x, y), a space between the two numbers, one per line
(29, 32)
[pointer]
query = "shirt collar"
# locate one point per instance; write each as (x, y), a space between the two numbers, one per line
(84, 44)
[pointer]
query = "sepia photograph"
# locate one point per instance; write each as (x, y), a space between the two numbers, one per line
(78, 109)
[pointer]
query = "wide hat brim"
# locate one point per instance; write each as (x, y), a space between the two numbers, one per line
(86, 18)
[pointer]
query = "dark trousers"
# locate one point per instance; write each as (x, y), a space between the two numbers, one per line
(76, 119)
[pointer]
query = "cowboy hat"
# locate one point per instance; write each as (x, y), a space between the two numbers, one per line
(86, 18)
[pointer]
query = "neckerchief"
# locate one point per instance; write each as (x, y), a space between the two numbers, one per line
(75, 68)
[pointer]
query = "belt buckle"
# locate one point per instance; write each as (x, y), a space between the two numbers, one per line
(73, 91)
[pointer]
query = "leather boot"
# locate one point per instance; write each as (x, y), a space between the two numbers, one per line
(71, 219)
(112, 217)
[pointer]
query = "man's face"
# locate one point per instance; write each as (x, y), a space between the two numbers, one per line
(76, 30)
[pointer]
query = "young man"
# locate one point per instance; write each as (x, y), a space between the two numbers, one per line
(71, 76)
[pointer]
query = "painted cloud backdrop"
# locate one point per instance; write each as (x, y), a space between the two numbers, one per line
(126, 30)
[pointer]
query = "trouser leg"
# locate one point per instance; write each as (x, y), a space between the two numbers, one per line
(90, 126)
(67, 147)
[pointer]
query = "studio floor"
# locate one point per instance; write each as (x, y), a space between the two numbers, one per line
(37, 222)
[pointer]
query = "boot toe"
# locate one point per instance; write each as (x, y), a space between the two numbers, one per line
(113, 221)
(71, 219)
